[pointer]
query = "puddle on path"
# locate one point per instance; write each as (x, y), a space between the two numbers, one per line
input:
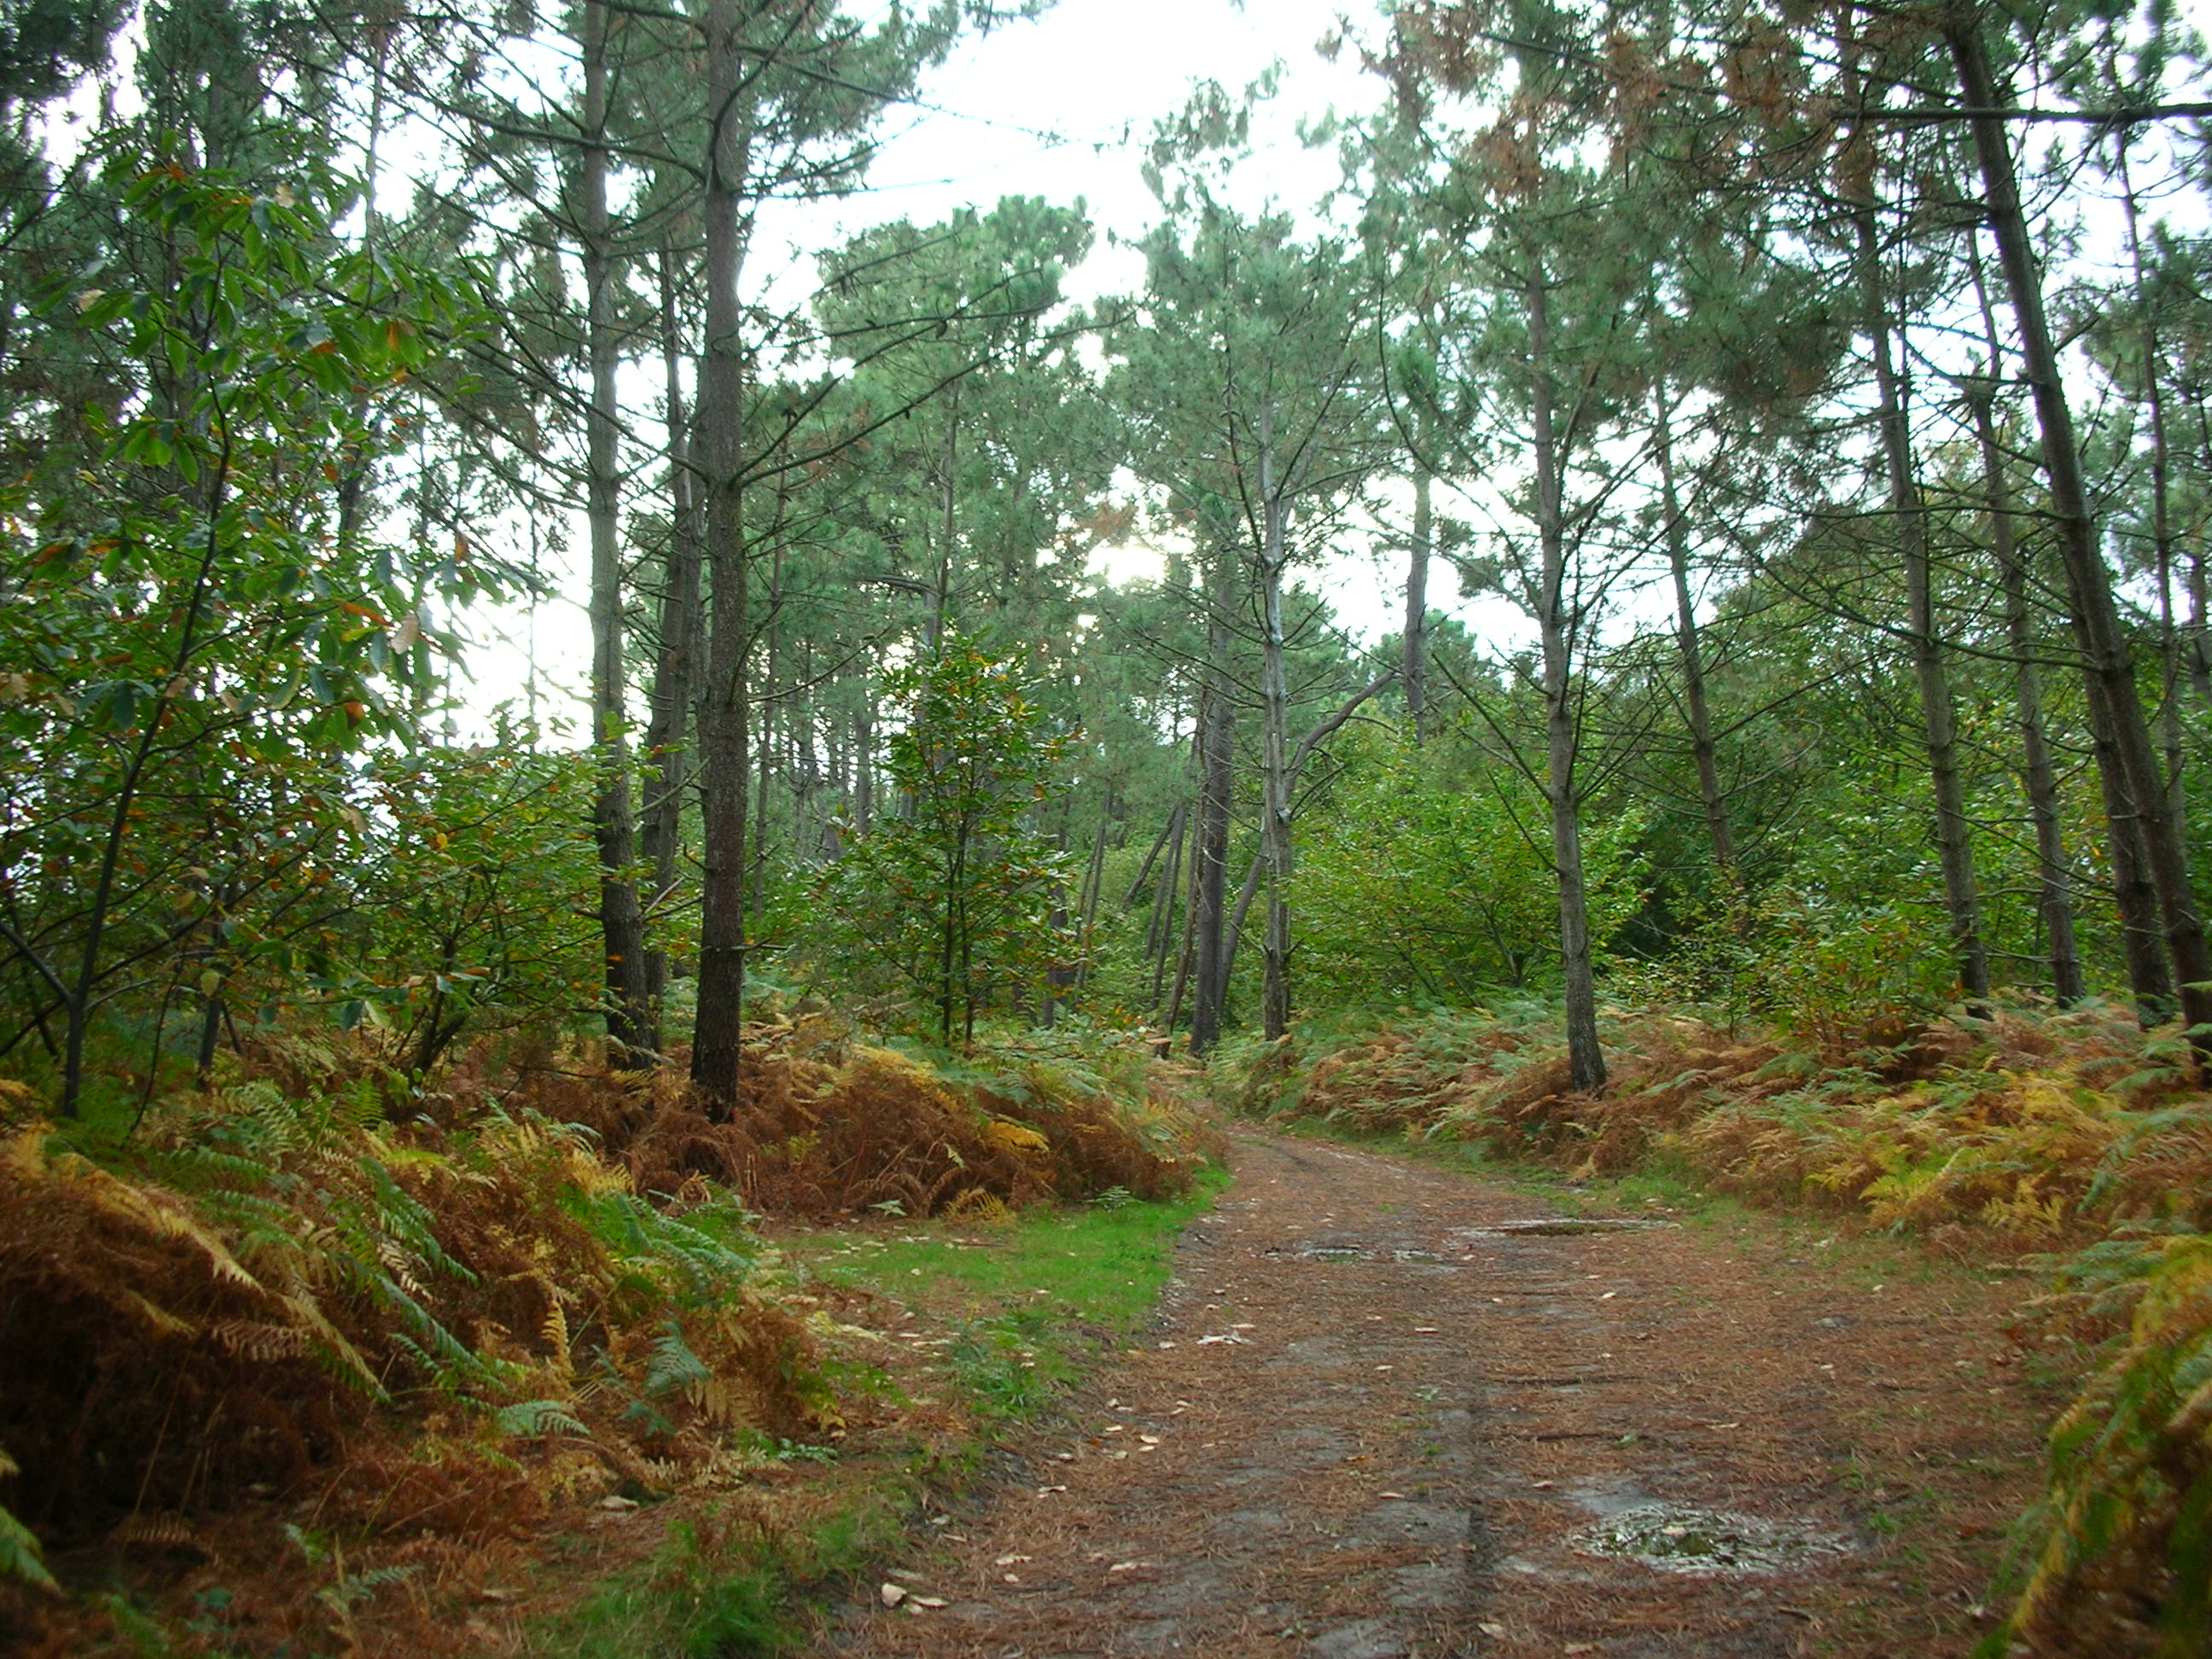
(1339, 1252)
(1561, 1226)
(1707, 1543)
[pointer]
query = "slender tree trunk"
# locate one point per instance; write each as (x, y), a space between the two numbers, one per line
(1556, 628)
(1094, 881)
(2200, 580)
(1187, 955)
(1703, 752)
(1216, 734)
(630, 1034)
(1313, 739)
(1151, 857)
(2037, 774)
(718, 1036)
(2161, 516)
(864, 758)
(764, 732)
(2096, 614)
(1274, 743)
(1415, 672)
(2135, 895)
(1954, 838)
(676, 669)
(1163, 937)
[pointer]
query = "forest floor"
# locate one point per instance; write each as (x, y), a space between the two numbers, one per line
(1383, 1416)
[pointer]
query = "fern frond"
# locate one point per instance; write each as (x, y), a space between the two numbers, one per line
(21, 1557)
(530, 1420)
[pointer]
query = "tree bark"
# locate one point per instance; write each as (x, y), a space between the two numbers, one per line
(2096, 616)
(2038, 775)
(1703, 752)
(1415, 670)
(1163, 934)
(631, 1038)
(1312, 740)
(717, 1044)
(1094, 882)
(1274, 742)
(1217, 741)
(1556, 628)
(2161, 518)
(1954, 838)
(675, 668)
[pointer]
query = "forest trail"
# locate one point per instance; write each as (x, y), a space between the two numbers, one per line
(1379, 1421)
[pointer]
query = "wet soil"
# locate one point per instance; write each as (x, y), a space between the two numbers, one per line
(1380, 1421)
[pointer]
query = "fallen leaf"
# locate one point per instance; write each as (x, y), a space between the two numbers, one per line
(1126, 1566)
(1608, 1296)
(1010, 1560)
(1495, 1632)
(616, 1501)
(892, 1594)
(929, 1601)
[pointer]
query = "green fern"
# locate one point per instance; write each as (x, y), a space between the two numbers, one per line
(21, 1557)
(531, 1420)
(674, 1365)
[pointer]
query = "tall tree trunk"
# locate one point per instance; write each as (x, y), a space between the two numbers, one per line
(1161, 937)
(675, 668)
(2037, 774)
(2200, 579)
(1216, 762)
(2161, 514)
(717, 1044)
(864, 758)
(2095, 615)
(1702, 750)
(1954, 837)
(764, 731)
(1094, 882)
(1415, 672)
(1275, 745)
(631, 1034)
(1556, 628)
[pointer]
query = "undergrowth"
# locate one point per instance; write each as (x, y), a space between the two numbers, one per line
(2070, 1137)
(358, 1328)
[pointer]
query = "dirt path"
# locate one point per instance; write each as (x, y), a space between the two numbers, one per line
(1377, 1420)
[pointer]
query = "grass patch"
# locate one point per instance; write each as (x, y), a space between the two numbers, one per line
(1030, 1305)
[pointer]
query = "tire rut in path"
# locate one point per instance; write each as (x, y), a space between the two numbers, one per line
(1367, 1433)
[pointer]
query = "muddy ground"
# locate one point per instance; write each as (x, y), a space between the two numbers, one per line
(1382, 1420)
